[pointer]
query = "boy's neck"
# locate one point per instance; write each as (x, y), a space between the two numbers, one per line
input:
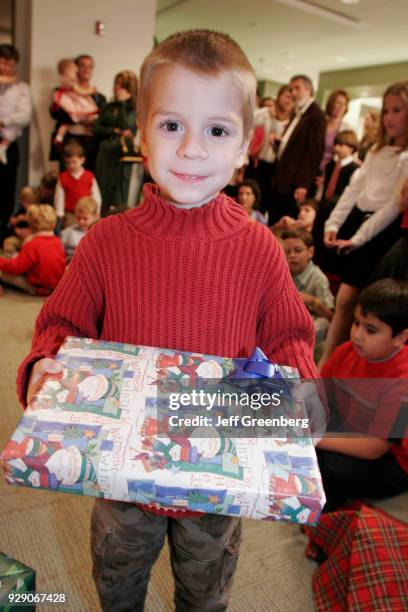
(187, 206)
(44, 233)
(386, 358)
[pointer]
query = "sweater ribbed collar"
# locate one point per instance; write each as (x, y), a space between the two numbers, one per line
(219, 218)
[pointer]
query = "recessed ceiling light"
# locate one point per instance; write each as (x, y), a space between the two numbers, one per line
(350, 1)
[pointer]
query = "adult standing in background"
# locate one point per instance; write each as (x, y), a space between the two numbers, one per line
(115, 130)
(300, 152)
(80, 132)
(15, 113)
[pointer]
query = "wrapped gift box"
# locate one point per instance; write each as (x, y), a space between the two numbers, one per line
(98, 428)
(15, 579)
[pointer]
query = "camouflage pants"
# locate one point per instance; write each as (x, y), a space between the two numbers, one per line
(126, 541)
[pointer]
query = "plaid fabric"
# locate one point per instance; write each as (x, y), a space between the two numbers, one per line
(366, 561)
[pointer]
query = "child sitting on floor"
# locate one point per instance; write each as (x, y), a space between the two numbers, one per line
(39, 266)
(371, 457)
(73, 184)
(249, 196)
(309, 279)
(18, 223)
(305, 218)
(86, 214)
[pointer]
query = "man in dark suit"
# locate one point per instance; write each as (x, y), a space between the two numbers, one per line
(299, 154)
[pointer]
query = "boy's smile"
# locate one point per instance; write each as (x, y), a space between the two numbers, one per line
(193, 134)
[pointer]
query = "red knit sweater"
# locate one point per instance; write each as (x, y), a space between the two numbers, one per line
(206, 279)
(42, 259)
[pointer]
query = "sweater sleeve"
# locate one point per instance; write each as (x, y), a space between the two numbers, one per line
(285, 330)
(21, 264)
(74, 309)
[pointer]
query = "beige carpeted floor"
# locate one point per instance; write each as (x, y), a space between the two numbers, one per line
(50, 531)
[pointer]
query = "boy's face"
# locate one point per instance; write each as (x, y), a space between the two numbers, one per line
(246, 197)
(74, 164)
(343, 150)
(297, 254)
(85, 220)
(193, 134)
(307, 215)
(373, 338)
(71, 71)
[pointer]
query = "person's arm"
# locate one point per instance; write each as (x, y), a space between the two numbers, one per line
(348, 199)
(83, 91)
(362, 448)
(103, 126)
(316, 305)
(313, 156)
(59, 200)
(383, 217)
(74, 308)
(96, 194)
(21, 114)
(20, 264)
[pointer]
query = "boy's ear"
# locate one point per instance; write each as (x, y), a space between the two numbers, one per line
(311, 251)
(240, 160)
(401, 338)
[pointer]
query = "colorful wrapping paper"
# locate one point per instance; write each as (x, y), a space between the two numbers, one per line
(95, 429)
(15, 579)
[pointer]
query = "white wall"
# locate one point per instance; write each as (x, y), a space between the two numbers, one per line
(66, 29)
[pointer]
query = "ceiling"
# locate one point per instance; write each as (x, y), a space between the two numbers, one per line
(283, 37)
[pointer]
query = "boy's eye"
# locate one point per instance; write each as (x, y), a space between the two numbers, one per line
(217, 131)
(170, 126)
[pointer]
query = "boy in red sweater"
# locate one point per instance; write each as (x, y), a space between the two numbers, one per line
(40, 264)
(375, 465)
(189, 270)
(73, 184)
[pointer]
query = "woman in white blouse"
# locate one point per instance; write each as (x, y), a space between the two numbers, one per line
(363, 226)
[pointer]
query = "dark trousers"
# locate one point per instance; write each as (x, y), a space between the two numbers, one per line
(126, 541)
(346, 478)
(8, 178)
(281, 204)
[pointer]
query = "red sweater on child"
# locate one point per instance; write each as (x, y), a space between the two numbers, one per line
(206, 279)
(380, 402)
(42, 259)
(75, 188)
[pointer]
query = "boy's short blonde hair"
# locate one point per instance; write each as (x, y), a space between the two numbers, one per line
(27, 193)
(41, 218)
(63, 65)
(87, 206)
(203, 52)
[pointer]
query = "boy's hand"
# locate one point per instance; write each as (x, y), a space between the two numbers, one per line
(41, 368)
(307, 392)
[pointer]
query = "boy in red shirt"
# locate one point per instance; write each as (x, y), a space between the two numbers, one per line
(73, 184)
(40, 264)
(375, 465)
(188, 270)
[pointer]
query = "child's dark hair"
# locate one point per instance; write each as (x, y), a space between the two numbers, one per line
(256, 190)
(387, 299)
(347, 137)
(309, 202)
(9, 52)
(301, 234)
(73, 149)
